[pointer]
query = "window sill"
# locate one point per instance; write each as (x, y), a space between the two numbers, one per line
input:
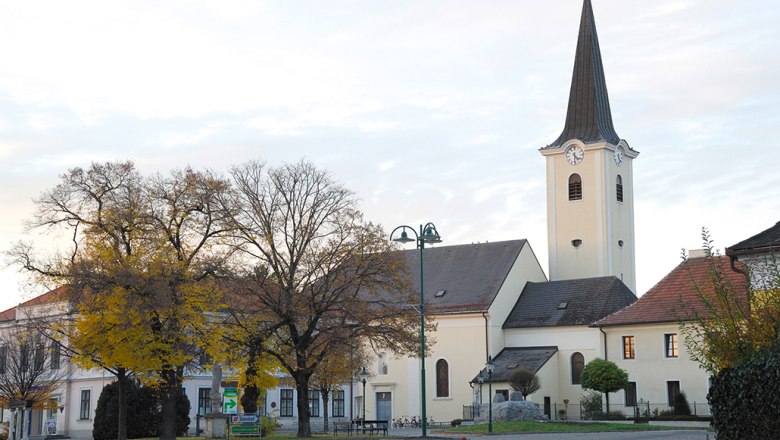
(442, 398)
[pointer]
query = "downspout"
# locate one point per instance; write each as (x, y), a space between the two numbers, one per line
(732, 260)
(601, 329)
(487, 349)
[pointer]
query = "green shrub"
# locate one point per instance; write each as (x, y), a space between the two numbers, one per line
(456, 422)
(745, 399)
(612, 415)
(591, 406)
(269, 425)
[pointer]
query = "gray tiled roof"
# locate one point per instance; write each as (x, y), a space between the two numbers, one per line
(764, 241)
(470, 275)
(510, 359)
(588, 117)
(569, 302)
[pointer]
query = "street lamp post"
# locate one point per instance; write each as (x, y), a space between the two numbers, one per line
(428, 234)
(481, 380)
(490, 365)
(363, 375)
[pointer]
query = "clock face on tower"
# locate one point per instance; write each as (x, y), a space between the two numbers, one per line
(619, 155)
(574, 155)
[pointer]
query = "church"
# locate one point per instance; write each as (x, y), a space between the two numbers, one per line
(493, 300)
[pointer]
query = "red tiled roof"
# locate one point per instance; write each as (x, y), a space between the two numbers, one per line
(49, 297)
(675, 296)
(8, 315)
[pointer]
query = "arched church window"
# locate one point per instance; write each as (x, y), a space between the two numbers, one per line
(442, 378)
(619, 188)
(577, 364)
(575, 187)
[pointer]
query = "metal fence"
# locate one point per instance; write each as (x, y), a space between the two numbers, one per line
(573, 411)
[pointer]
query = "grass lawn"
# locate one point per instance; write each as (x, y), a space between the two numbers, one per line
(498, 428)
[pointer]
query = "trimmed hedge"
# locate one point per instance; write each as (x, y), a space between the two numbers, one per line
(745, 399)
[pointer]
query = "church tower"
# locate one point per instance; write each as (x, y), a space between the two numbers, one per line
(590, 205)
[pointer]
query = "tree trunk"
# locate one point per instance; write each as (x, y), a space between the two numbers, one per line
(302, 387)
(168, 392)
(325, 391)
(607, 396)
(121, 414)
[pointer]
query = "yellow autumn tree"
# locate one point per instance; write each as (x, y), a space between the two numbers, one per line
(143, 252)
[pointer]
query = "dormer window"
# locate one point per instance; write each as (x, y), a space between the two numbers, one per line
(575, 187)
(440, 293)
(619, 188)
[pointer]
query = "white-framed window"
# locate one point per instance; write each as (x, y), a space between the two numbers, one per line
(629, 349)
(85, 407)
(314, 403)
(204, 401)
(338, 403)
(670, 345)
(286, 402)
(54, 352)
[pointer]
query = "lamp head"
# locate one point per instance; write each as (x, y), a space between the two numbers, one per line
(430, 234)
(490, 365)
(404, 237)
(481, 378)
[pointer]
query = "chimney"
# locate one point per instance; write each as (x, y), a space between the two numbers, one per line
(698, 253)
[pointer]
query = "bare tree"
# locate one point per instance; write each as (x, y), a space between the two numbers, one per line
(525, 381)
(320, 272)
(30, 365)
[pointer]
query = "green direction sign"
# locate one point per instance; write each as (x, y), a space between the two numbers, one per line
(245, 429)
(230, 401)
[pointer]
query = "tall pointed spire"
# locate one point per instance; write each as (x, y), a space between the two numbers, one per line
(588, 117)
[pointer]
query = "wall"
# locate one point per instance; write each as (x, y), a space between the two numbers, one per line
(651, 369)
(569, 340)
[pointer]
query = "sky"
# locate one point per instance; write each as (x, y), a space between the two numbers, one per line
(428, 110)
